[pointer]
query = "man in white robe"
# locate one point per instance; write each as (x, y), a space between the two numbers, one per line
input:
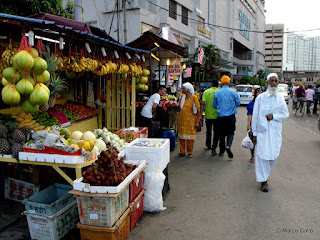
(269, 110)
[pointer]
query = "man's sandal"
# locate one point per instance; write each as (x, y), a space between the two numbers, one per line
(189, 155)
(251, 160)
(181, 155)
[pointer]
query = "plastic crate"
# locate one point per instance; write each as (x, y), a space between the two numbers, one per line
(50, 200)
(135, 187)
(102, 211)
(156, 157)
(136, 209)
(18, 190)
(53, 227)
(120, 231)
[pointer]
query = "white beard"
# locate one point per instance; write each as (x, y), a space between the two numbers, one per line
(272, 90)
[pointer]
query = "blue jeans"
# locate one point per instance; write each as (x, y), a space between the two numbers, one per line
(308, 106)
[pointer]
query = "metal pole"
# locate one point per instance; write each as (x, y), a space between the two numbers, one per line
(118, 23)
(124, 3)
(77, 10)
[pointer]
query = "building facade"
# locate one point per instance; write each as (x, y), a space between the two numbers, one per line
(275, 46)
(303, 53)
(236, 27)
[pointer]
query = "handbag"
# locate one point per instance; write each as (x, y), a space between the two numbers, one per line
(194, 109)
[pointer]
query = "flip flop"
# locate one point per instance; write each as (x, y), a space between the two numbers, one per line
(251, 160)
(189, 155)
(181, 155)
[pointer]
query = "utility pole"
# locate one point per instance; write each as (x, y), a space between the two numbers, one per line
(124, 6)
(77, 10)
(118, 21)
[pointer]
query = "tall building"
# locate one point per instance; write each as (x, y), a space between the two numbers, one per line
(303, 53)
(232, 25)
(275, 46)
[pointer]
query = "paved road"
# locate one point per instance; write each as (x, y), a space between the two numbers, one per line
(215, 198)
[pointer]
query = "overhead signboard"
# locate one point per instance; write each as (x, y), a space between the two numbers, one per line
(174, 69)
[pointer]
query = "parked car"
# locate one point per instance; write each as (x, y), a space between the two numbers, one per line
(284, 92)
(245, 93)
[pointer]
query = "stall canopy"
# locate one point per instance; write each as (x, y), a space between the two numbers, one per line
(54, 30)
(147, 42)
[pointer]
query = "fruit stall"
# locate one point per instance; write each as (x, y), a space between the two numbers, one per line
(69, 110)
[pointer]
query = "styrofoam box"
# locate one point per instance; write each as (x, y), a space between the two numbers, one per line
(50, 200)
(18, 190)
(102, 211)
(53, 227)
(156, 157)
(6, 156)
(85, 187)
(56, 158)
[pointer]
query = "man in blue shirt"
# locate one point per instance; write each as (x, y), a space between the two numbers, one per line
(316, 98)
(226, 101)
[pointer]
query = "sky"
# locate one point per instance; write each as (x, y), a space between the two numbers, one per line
(295, 15)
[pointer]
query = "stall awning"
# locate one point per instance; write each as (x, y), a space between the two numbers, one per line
(147, 42)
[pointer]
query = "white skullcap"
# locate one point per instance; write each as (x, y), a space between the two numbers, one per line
(188, 86)
(272, 75)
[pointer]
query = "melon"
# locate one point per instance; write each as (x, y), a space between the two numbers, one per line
(23, 61)
(39, 65)
(43, 77)
(145, 72)
(29, 107)
(39, 96)
(12, 75)
(144, 80)
(4, 82)
(11, 96)
(77, 135)
(34, 53)
(41, 85)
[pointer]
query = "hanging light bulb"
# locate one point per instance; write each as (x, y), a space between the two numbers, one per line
(87, 47)
(168, 61)
(143, 59)
(128, 55)
(103, 50)
(116, 54)
(137, 55)
(60, 43)
(31, 38)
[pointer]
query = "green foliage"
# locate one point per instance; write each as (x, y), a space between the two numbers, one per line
(252, 81)
(29, 7)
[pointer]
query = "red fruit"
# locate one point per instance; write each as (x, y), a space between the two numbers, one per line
(103, 177)
(112, 173)
(90, 169)
(98, 177)
(101, 169)
(93, 180)
(121, 178)
(99, 183)
(96, 172)
(115, 178)
(108, 166)
(88, 177)
(115, 154)
(85, 181)
(109, 156)
(84, 173)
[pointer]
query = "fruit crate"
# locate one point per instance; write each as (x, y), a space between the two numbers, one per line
(18, 190)
(53, 227)
(136, 209)
(120, 230)
(143, 132)
(50, 200)
(156, 157)
(101, 210)
(135, 187)
(56, 158)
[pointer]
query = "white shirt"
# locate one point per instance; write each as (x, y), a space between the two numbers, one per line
(147, 109)
(268, 132)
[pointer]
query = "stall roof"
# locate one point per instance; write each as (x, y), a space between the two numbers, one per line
(51, 27)
(147, 39)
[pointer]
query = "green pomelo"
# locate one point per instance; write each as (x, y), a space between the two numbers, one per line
(137, 80)
(4, 82)
(43, 77)
(41, 85)
(140, 73)
(11, 96)
(6, 88)
(11, 74)
(39, 96)
(24, 87)
(144, 80)
(39, 65)
(140, 87)
(34, 52)
(29, 107)
(23, 61)
(145, 72)
(145, 88)
(29, 77)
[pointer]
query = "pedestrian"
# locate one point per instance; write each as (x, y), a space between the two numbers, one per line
(148, 112)
(210, 115)
(269, 110)
(310, 98)
(294, 100)
(316, 98)
(257, 92)
(226, 101)
(188, 119)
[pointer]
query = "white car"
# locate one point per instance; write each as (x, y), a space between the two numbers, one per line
(245, 92)
(283, 91)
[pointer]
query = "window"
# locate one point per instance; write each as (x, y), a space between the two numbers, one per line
(184, 14)
(173, 9)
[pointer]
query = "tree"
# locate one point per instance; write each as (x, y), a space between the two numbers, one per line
(210, 62)
(28, 7)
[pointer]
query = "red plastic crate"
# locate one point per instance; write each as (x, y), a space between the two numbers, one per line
(136, 209)
(135, 187)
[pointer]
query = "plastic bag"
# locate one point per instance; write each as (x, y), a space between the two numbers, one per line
(50, 139)
(247, 143)
(40, 135)
(153, 182)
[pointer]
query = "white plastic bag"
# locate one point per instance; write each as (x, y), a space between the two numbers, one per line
(50, 139)
(153, 182)
(247, 143)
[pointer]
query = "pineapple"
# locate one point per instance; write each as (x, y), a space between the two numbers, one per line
(51, 60)
(44, 107)
(57, 87)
